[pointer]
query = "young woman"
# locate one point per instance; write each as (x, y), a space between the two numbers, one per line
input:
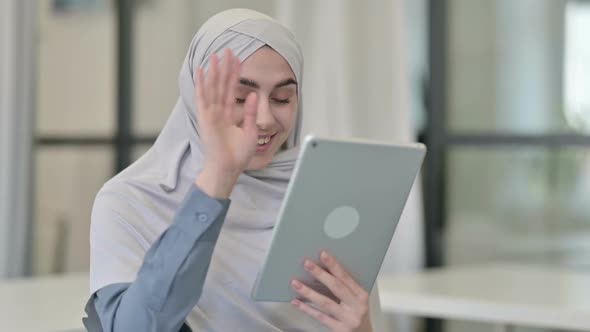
(167, 248)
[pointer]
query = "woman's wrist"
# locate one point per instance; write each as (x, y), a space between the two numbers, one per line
(216, 184)
(366, 327)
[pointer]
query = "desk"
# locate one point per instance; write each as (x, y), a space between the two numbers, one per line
(502, 294)
(44, 304)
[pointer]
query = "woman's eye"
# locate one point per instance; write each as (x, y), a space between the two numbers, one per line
(240, 100)
(281, 101)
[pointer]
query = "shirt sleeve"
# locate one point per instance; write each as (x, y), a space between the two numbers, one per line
(170, 280)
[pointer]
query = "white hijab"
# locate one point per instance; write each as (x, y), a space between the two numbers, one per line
(147, 194)
(243, 31)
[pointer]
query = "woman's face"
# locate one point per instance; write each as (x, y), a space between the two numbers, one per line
(268, 74)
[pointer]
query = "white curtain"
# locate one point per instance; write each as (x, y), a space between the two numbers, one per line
(356, 83)
(17, 19)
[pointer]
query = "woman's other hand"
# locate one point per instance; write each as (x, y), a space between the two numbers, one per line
(228, 148)
(349, 313)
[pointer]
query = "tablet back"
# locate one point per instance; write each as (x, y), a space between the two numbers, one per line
(346, 196)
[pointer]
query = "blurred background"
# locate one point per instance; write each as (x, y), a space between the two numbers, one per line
(499, 90)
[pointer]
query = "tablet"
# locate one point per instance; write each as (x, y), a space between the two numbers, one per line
(345, 197)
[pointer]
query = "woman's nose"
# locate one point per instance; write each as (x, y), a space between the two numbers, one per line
(264, 118)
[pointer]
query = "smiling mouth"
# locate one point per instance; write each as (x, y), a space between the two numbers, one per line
(264, 143)
(265, 140)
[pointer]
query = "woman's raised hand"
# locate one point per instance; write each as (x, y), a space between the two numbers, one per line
(228, 146)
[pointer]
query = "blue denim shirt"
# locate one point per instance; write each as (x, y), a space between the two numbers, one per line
(158, 299)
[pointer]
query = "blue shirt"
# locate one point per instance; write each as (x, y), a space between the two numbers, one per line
(158, 299)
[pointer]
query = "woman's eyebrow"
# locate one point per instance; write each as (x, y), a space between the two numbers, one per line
(285, 82)
(255, 85)
(249, 82)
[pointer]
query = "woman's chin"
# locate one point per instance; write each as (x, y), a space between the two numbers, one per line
(258, 162)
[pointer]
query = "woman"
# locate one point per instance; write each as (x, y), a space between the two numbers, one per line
(160, 257)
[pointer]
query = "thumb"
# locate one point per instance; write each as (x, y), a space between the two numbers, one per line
(250, 111)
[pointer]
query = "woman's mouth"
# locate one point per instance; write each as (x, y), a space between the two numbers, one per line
(264, 142)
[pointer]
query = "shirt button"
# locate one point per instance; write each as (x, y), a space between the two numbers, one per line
(202, 217)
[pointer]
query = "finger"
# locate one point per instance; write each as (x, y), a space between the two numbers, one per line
(250, 110)
(323, 302)
(224, 72)
(326, 320)
(211, 93)
(339, 272)
(336, 286)
(230, 97)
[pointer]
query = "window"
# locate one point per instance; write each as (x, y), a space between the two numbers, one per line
(509, 153)
(107, 82)
(576, 66)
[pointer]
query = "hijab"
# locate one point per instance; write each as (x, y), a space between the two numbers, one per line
(243, 31)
